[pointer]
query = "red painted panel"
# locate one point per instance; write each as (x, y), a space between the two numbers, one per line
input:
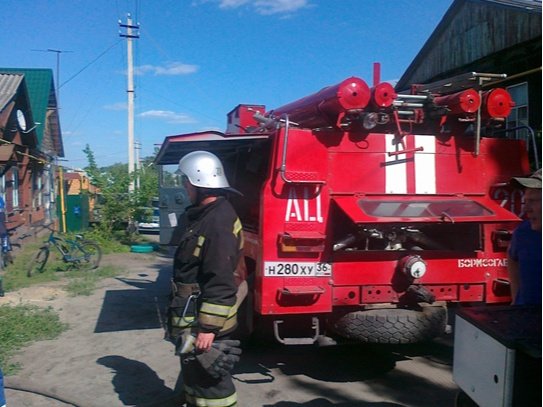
(346, 295)
(472, 292)
(372, 294)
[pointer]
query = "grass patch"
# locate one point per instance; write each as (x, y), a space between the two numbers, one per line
(117, 241)
(15, 275)
(21, 325)
(112, 242)
(80, 282)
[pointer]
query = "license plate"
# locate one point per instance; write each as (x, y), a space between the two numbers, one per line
(297, 269)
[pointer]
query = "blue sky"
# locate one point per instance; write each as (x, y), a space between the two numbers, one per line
(196, 60)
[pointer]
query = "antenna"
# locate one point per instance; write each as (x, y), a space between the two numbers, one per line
(57, 86)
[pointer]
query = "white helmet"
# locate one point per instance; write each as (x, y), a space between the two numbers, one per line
(203, 169)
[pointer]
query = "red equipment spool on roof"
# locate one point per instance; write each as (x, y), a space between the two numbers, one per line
(497, 103)
(326, 107)
(383, 95)
(467, 101)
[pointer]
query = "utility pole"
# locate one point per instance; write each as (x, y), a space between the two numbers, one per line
(138, 164)
(132, 32)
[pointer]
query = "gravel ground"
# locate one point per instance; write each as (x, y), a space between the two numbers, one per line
(113, 354)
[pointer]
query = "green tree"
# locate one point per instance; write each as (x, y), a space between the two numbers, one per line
(119, 207)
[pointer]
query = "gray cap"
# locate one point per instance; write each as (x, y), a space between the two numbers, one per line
(533, 181)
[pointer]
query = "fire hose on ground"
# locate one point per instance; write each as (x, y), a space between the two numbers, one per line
(21, 385)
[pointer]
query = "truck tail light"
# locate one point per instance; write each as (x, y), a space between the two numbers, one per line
(310, 243)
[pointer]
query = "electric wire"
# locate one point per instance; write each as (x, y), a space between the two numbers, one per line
(89, 64)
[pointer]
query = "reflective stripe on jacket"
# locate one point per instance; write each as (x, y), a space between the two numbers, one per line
(208, 254)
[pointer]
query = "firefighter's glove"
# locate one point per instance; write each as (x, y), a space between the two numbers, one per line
(216, 363)
(228, 346)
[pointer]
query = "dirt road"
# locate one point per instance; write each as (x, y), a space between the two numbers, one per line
(114, 355)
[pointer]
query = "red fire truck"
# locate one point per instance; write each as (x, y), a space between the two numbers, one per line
(367, 211)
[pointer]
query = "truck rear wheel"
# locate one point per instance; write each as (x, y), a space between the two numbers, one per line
(391, 326)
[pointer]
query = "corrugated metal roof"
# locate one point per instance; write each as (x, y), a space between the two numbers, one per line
(9, 84)
(41, 92)
(427, 64)
(526, 5)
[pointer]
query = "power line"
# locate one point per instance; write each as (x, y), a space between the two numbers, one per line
(90, 63)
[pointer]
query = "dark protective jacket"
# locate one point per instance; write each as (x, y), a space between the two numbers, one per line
(204, 265)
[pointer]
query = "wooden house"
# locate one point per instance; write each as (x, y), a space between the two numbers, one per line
(489, 36)
(30, 140)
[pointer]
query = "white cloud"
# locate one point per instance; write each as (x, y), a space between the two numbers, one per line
(232, 3)
(168, 116)
(268, 7)
(173, 68)
(263, 7)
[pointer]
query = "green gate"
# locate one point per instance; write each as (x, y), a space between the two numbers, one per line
(77, 212)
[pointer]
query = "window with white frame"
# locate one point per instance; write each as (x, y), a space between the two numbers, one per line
(15, 187)
(40, 189)
(3, 189)
(519, 112)
(37, 197)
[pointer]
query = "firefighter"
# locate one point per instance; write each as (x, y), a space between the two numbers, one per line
(524, 253)
(205, 295)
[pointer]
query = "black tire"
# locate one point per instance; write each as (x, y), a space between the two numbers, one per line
(245, 314)
(37, 264)
(391, 326)
(88, 254)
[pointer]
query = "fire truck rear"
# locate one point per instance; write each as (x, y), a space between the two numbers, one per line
(366, 211)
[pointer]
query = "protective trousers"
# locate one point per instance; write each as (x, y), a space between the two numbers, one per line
(202, 389)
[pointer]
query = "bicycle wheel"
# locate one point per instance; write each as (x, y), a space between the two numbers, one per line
(87, 255)
(37, 264)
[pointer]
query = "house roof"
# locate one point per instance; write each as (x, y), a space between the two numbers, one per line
(530, 6)
(72, 176)
(446, 48)
(9, 85)
(43, 102)
(14, 100)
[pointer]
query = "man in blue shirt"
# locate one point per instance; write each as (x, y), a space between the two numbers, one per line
(2, 396)
(524, 254)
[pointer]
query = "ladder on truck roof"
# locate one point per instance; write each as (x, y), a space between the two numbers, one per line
(457, 83)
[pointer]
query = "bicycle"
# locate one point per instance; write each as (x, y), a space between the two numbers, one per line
(5, 252)
(81, 253)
